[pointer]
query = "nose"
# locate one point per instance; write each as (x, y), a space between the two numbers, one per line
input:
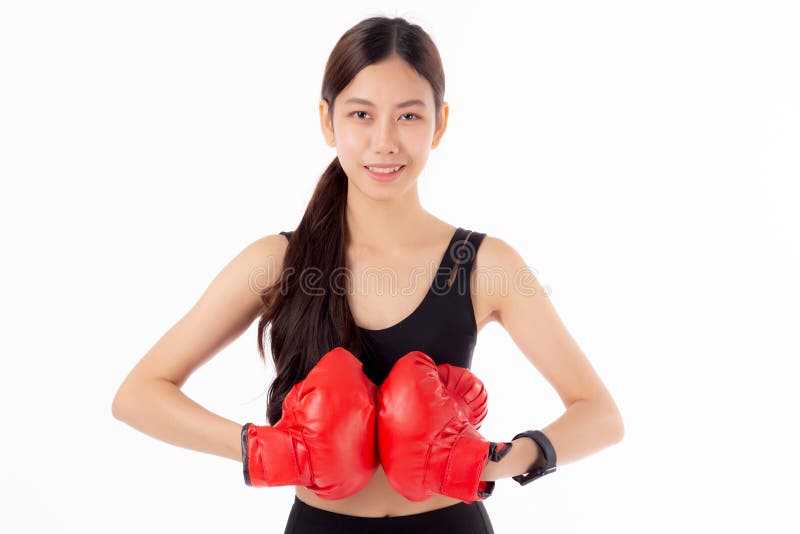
(384, 139)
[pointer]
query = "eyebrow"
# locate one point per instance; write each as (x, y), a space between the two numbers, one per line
(406, 104)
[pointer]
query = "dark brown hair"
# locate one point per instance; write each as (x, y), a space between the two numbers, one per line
(308, 319)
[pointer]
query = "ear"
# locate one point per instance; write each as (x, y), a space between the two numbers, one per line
(326, 124)
(439, 132)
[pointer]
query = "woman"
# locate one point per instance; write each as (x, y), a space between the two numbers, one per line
(382, 108)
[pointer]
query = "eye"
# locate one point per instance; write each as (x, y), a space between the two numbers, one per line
(417, 117)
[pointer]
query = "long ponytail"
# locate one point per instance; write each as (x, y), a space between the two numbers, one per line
(307, 308)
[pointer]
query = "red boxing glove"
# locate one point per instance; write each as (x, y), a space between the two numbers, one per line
(467, 390)
(427, 430)
(325, 439)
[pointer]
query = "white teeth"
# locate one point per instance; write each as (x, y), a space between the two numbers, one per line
(384, 171)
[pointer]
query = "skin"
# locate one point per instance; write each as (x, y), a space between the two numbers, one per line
(392, 232)
(384, 216)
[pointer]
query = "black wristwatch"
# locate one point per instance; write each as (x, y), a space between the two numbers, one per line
(549, 455)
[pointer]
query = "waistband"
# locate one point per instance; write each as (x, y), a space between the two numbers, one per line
(454, 514)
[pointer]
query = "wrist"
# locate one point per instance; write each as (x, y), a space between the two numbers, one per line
(522, 453)
(546, 462)
(529, 456)
(535, 458)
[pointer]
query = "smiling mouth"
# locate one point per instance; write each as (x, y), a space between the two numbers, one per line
(385, 170)
(385, 176)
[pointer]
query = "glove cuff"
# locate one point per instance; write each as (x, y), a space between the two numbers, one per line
(246, 454)
(269, 457)
(466, 461)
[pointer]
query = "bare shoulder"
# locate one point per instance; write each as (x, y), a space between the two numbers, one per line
(497, 253)
(245, 278)
(251, 271)
(498, 268)
(525, 310)
(262, 260)
(272, 245)
(225, 309)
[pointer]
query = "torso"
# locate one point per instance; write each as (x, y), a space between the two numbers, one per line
(376, 304)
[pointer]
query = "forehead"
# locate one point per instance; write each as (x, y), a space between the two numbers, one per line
(387, 84)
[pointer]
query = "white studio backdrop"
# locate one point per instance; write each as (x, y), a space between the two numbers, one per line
(641, 156)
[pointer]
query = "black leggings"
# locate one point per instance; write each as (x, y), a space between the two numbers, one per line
(459, 518)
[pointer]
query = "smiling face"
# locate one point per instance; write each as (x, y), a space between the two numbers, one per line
(385, 116)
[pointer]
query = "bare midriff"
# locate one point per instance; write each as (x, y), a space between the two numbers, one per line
(376, 499)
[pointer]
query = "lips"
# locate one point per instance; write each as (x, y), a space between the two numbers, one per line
(385, 176)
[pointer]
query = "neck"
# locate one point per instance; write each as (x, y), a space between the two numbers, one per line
(385, 224)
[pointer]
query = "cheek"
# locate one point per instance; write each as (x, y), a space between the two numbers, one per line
(418, 141)
(349, 141)
(419, 149)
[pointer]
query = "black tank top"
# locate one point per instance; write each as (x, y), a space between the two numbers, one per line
(442, 326)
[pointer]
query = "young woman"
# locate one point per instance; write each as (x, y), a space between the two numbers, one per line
(382, 108)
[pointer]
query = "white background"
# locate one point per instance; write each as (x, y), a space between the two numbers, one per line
(641, 156)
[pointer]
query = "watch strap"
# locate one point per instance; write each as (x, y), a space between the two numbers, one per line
(548, 452)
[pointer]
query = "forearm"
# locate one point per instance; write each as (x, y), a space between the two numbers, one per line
(160, 409)
(585, 428)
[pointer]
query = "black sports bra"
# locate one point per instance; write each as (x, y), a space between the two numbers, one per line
(442, 326)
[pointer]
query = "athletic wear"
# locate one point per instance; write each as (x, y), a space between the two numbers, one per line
(442, 326)
(461, 518)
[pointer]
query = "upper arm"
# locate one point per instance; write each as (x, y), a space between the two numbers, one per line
(529, 317)
(223, 312)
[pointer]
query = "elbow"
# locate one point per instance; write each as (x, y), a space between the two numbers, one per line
(619, 434)
(617, 427)
(128, 399)
(610, 420)
(118, 405)
(123, 399)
